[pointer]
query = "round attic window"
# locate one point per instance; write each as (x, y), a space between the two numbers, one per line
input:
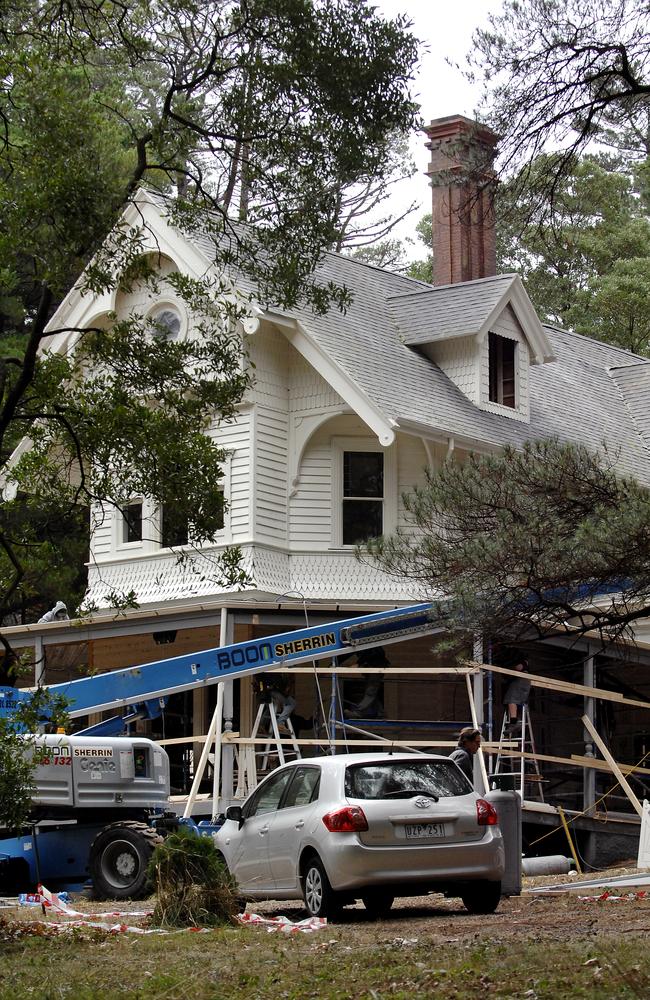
(168, 324)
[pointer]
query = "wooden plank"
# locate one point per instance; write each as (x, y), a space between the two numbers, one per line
(593, 732)
(248, 741)
(565, 686)
(481, 758)
(574, 761)
(604, 766)
(357, 672)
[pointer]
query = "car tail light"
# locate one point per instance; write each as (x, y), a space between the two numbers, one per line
(486, 814)
(348, 819)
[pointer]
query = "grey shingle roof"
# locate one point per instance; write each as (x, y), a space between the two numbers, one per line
(447, 311)
(634, 383)
(575, 397)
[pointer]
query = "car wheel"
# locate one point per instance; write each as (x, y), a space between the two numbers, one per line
(378, 903)
(320, 898)
(118, 860)
(483, 897)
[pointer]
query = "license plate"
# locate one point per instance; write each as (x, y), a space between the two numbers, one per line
(419, 831)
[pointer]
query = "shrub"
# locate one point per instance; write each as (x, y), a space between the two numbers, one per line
(193, 886)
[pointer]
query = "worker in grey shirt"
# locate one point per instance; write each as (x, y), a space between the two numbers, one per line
(469, 741)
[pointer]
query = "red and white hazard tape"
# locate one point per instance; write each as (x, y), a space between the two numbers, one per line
(283, 924)
(75, 918)
(610, 897)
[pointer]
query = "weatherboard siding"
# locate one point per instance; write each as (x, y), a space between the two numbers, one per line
(234, 437)
(270, 471)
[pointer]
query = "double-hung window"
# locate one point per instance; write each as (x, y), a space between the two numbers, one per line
(363, 496)
(364, 490)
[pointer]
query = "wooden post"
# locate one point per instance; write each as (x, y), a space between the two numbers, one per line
(198, 772)
(472, 708)
(612, 763)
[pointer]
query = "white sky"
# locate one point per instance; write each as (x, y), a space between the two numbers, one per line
(446, 31)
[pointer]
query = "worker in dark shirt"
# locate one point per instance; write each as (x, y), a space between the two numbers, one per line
(515, 696)
(469, 741)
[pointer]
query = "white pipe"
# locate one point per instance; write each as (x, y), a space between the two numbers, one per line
(216, 770)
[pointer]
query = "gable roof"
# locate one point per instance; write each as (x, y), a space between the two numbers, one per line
(468, 309)
(577, 397)
(573, 397)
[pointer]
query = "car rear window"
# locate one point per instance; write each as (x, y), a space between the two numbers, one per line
(400, 779)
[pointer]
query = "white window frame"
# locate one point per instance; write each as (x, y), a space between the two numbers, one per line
(343, 444)
(120, 526)
(160, 305)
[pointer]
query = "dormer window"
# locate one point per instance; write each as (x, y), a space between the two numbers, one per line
(502, 360)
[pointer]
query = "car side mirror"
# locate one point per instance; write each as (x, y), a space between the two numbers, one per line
(234, 813)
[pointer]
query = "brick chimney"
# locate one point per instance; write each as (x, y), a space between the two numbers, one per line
(463, 182)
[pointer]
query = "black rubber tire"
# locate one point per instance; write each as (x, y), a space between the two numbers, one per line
(483, 897)
(378, 903)
(320, 898)
(118, 860)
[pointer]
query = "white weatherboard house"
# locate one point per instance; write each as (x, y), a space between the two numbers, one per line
(346, 412)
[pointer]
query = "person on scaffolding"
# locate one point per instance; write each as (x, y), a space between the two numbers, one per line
(515, 697)
(274, 689)
(371, 705)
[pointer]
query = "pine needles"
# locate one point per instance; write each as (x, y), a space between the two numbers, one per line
(193, 886)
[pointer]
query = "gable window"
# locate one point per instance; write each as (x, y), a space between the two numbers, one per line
(132, 523)
(167, 324)
(363, 496)
(503, 367)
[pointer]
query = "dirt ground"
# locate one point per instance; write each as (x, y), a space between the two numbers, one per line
(557, 918)
(530, 917)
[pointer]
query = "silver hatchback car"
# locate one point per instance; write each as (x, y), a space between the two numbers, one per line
(332, 830)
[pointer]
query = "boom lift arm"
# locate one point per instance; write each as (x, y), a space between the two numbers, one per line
(141, 691)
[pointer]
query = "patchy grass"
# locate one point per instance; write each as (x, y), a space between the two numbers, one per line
(531, 948)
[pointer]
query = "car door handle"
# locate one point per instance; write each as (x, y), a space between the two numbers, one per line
(263, 830)
(300, 824)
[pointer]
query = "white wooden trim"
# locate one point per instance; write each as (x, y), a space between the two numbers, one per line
(348, 390)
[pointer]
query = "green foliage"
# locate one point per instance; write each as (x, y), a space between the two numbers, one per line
(423, 269)
(558, 75)
(193, 886)
(17, 735)
(230, 111)
(588, 269)
(16, 779)
(523, 543)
